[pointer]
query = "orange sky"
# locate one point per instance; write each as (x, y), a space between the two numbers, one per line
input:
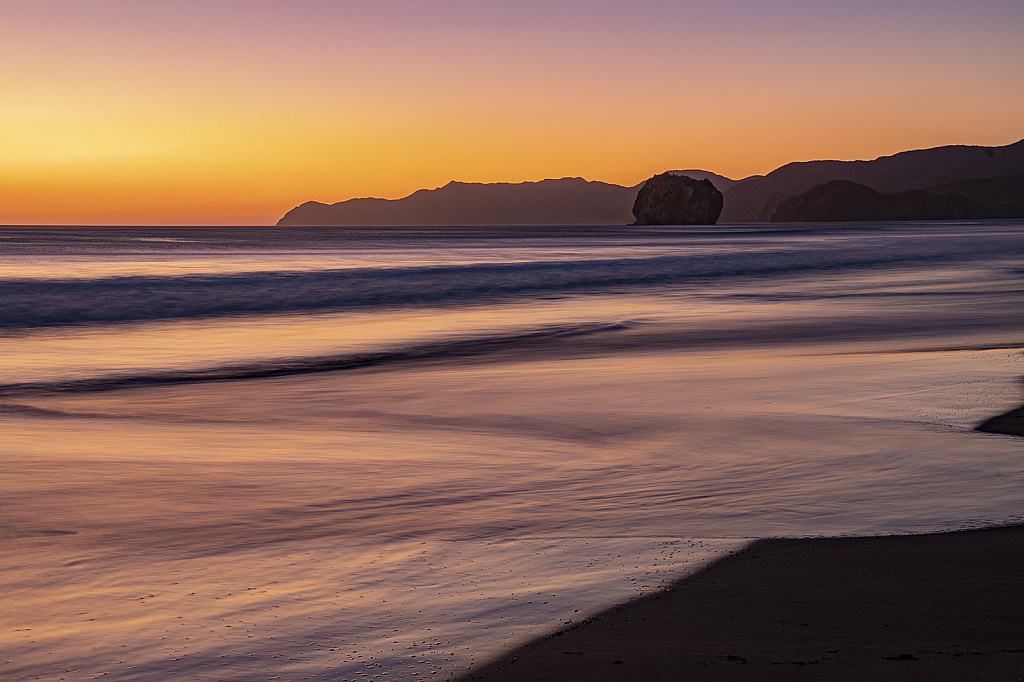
(232, 112)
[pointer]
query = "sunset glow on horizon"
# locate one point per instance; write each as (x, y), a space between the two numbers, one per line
(229, 112)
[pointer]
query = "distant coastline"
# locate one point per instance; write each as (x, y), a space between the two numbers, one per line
(986, 182)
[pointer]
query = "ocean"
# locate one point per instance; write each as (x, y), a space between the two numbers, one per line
(347, 454)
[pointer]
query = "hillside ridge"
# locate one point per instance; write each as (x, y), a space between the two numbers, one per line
(577, 201)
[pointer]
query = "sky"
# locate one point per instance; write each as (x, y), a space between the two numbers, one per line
(232, 112)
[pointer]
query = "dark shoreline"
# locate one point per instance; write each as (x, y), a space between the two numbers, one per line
(1010, 423)
(945, 606)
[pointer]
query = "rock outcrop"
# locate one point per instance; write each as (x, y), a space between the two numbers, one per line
(669, 199)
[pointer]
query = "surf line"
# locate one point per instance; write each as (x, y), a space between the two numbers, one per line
(464, 348)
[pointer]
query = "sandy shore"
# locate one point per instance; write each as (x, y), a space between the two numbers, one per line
(946, 606)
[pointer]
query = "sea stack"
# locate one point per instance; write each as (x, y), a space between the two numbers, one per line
(668, 199)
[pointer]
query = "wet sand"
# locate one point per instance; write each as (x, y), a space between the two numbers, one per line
(946, 606)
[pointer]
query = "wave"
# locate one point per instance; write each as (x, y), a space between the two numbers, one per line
(902, 334)
(461, 349)
(28, 303)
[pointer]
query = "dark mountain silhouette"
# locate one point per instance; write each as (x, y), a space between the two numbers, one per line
(842, 200)
(568, 201)
(1003, 195)
(968, 171)
(755, 199)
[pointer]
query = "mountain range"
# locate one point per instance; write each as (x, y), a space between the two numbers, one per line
(755, 199)
(984, 176)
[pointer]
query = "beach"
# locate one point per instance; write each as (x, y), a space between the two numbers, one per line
(944, 606)
(245, 453)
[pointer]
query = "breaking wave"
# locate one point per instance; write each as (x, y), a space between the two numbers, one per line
(54, 302)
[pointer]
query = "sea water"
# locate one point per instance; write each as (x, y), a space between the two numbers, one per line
(335, 453)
